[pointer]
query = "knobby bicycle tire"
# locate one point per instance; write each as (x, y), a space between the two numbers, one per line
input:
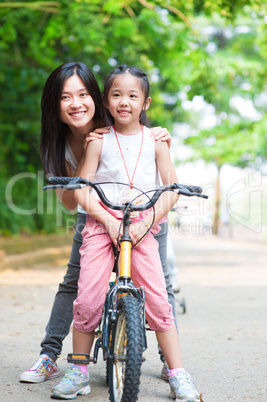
(126, 348)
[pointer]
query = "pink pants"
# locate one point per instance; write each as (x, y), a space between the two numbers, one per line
(97, 261)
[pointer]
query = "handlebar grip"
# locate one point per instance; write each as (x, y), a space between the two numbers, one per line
(191, 189)
(60, 180)
(194, 189)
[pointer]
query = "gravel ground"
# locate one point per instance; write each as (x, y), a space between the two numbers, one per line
(223, 332)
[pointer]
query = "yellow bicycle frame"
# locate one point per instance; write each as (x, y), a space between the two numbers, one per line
(125, 258)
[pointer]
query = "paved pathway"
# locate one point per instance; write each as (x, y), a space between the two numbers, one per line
(223, 333)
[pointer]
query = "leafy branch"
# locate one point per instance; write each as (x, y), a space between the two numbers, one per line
(170, 8)
(48, 6)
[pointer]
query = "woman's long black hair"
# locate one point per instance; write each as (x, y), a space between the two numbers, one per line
(54, 131)
(136, 72)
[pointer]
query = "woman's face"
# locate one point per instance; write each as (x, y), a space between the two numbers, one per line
(77, 107)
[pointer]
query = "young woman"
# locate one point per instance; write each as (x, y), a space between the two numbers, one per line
(128, 154)
(72, 116)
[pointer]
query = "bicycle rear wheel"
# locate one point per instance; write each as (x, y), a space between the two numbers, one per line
(126, 351)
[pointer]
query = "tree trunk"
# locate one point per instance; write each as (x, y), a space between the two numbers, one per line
(216, 217)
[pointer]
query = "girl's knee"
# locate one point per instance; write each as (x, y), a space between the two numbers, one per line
(162, 321)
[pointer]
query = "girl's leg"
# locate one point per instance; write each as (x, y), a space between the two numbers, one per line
(147, 272)
(76, 379)
(82, 341)
(170, 346)
(97, 260)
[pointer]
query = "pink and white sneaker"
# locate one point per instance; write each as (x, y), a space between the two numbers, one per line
(43, 369)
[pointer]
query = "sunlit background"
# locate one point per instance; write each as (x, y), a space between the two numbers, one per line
(207, 66)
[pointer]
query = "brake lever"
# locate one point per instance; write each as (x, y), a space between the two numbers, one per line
(74, 186)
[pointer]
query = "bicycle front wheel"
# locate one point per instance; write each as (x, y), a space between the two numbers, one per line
(126, 352)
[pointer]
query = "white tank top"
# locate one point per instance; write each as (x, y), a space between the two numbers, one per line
(111, 166)
(70, 158)
(73, 164)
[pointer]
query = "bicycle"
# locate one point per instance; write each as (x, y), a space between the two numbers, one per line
(122, 330)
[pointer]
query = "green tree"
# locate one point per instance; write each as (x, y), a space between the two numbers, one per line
(236, 88)
(167, 39)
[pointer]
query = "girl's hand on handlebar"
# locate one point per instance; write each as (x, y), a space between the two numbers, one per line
(113, 227)
(162, 134)
(136, 231)
(97, 133)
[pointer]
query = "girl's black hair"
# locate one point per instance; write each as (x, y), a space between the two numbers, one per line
(54, 132)
(136, 72)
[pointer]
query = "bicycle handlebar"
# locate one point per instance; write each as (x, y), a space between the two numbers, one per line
(74, 183)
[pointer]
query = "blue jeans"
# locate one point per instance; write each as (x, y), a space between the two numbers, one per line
(62, 311)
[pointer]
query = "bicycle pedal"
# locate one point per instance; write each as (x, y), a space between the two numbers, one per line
(78, 358)
(98, 334)
(147, 327)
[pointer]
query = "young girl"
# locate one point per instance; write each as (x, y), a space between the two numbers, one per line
(127, 154)
(72, 114)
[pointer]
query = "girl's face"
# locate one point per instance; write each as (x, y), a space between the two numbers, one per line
(77, 107)
(126, 100)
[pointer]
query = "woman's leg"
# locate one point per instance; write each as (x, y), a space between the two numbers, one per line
(61, 315)
(161, 238)
(172, 265)
(62, 311)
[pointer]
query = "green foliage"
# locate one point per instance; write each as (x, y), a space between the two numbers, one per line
(235, 145)
(188, 48)
(27, 209)
(236, 70)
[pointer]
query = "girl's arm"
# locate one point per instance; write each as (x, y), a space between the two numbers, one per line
(162, 134)
(67, 196)
(86, 200)
(166, 200)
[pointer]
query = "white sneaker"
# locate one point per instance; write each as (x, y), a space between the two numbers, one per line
(74, 383)
(182, 388)
(42, 370)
